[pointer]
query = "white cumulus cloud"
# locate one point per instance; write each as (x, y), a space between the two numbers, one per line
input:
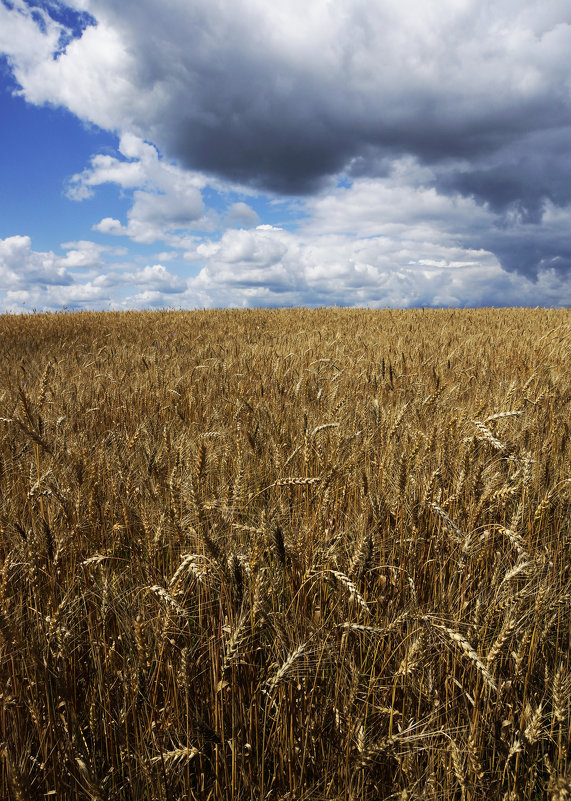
(20, 265)
(165, 198)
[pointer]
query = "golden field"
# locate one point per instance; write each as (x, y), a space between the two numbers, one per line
(291, 554)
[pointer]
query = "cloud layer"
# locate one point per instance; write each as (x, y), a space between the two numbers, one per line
(284, 97)
(440, 130)
(270, 266)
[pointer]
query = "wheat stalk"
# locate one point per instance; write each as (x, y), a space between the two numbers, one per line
(281, 673)
(468, 651)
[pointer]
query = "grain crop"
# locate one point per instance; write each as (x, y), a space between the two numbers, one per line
(285, 554)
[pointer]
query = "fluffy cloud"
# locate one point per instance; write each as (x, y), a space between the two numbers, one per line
(82, 278)
(240, 215)
(156, 278)
(270, 266)
(28, 37)
(41, 280)
(85, 255)
(154, 216)
(20, 266)
(166, 198)
(406, 205)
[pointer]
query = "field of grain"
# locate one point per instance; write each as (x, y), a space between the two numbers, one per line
(302, 554)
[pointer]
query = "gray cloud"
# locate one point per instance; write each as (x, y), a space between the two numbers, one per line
(283, 101)
(531, 252)
(519, 176)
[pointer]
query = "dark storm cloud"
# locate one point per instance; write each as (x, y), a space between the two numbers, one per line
(255, 150)
(284, 98)
(531, 252)
(520, 176)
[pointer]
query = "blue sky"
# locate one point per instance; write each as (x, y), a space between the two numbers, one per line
(41, 146)
(241, 153)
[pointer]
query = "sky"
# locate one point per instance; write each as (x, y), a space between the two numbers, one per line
(240, 153)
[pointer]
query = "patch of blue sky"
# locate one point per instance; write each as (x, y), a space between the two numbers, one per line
(271, 210)
(284, 213)
(41, 147)
(73, 22)
(344, 182)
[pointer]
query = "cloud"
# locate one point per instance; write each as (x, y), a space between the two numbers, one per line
(105, 169)
(239, 214)
(165, 197)
(283, 97)
(137, 165)
(156, 278)
(520, 177)
(82, 278)
(109, 225)
(290, 98)
(166, 200)
(90, 76)
(28, 37)
(271, 266)
(402, 203)
(85, 254)
(41, 280)
(405, 205)
(19, 265)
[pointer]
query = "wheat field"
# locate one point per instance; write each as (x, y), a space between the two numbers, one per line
(285, 554)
